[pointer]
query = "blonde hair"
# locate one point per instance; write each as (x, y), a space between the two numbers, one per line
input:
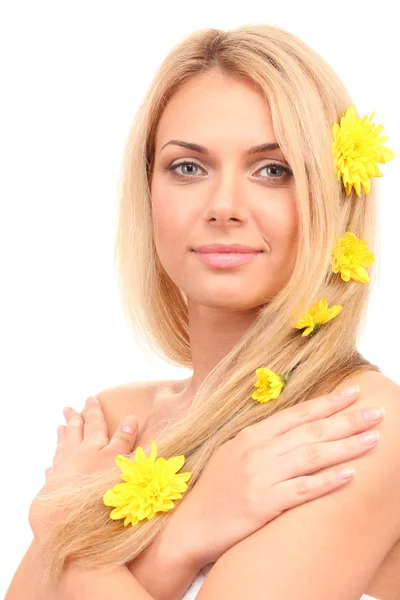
(305, 97)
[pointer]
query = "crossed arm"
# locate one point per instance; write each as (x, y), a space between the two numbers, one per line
(330, 547)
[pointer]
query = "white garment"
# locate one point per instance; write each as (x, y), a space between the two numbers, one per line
(196, 584)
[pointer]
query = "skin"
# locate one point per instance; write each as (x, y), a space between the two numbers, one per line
(231, 117)
(229, 197)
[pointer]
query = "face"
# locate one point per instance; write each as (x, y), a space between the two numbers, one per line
(224, 195)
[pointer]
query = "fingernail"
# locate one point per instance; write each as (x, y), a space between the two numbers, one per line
(127, 428)
(90, 401)
(351, 391)
(61, 429)
(369, 437)
(347, 473)
(374, 414)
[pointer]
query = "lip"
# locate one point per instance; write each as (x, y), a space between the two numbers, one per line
(226, 260)
(226, 248)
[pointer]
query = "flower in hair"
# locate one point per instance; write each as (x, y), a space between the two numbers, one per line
(269, 385)
(357, 148)
(349, 257)
(318, 314)
(150, 486)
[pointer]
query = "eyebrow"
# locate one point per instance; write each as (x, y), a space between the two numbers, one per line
(203, 150)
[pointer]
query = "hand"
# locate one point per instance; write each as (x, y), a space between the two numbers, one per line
(265, 470)
(83, 448)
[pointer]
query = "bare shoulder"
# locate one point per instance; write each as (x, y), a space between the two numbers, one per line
(376, 388)
(371, 382)
(128, 398)
(149, 401)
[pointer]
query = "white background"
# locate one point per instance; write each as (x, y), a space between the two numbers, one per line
(72, 76)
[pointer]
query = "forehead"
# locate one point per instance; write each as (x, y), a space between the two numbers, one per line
(216, 107)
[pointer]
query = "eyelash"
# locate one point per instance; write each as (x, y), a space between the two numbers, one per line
(171, 168)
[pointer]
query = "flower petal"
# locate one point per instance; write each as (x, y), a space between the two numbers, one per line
(357, 148)
(152, 485)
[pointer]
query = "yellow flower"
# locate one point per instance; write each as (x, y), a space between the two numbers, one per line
(318, 314)
(350, 255)
(269, 385)
(357, 149)
(150, 486)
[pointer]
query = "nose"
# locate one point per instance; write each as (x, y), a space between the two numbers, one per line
(227, 202)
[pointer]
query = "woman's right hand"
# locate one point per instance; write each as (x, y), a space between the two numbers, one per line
(267, 468)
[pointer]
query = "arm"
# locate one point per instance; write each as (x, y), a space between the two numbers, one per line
(163, 569)
(164, 575)
(87, 584)
(332, 546)
(27, 581)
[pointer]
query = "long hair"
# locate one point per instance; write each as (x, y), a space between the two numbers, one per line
(305, 97)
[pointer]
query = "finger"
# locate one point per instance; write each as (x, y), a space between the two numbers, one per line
(61, 437)
(61, 429)
(313, 457)
(124, 438)
(293, 492)
(74, 432)
(95, 432)
(312, 409)
(48, 471)
(68, 436)
(87, 406)
(333, 428)
(66, 411)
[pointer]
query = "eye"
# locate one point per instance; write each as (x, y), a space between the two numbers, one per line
(274, 167)
(184, 163)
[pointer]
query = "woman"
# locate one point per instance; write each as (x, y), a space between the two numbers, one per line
(216, 95)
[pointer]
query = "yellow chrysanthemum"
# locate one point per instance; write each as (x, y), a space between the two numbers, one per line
(269, 385)
(318, 314)
(357, 148)
(150, 486)
(350, 255)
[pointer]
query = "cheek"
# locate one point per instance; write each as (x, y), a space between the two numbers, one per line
(172, 227)
(279, 227)
(173, 216)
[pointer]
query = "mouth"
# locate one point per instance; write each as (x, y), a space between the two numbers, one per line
(226, 248)
(226, 259)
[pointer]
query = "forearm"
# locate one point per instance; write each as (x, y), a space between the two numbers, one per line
(161, 572)
(27, 581)
(118, 583)
(165, 570)
(150, 577)
(161, 580)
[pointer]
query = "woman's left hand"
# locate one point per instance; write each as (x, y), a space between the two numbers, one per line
(83, 448)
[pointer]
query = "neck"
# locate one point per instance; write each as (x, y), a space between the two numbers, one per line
(213, 333)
